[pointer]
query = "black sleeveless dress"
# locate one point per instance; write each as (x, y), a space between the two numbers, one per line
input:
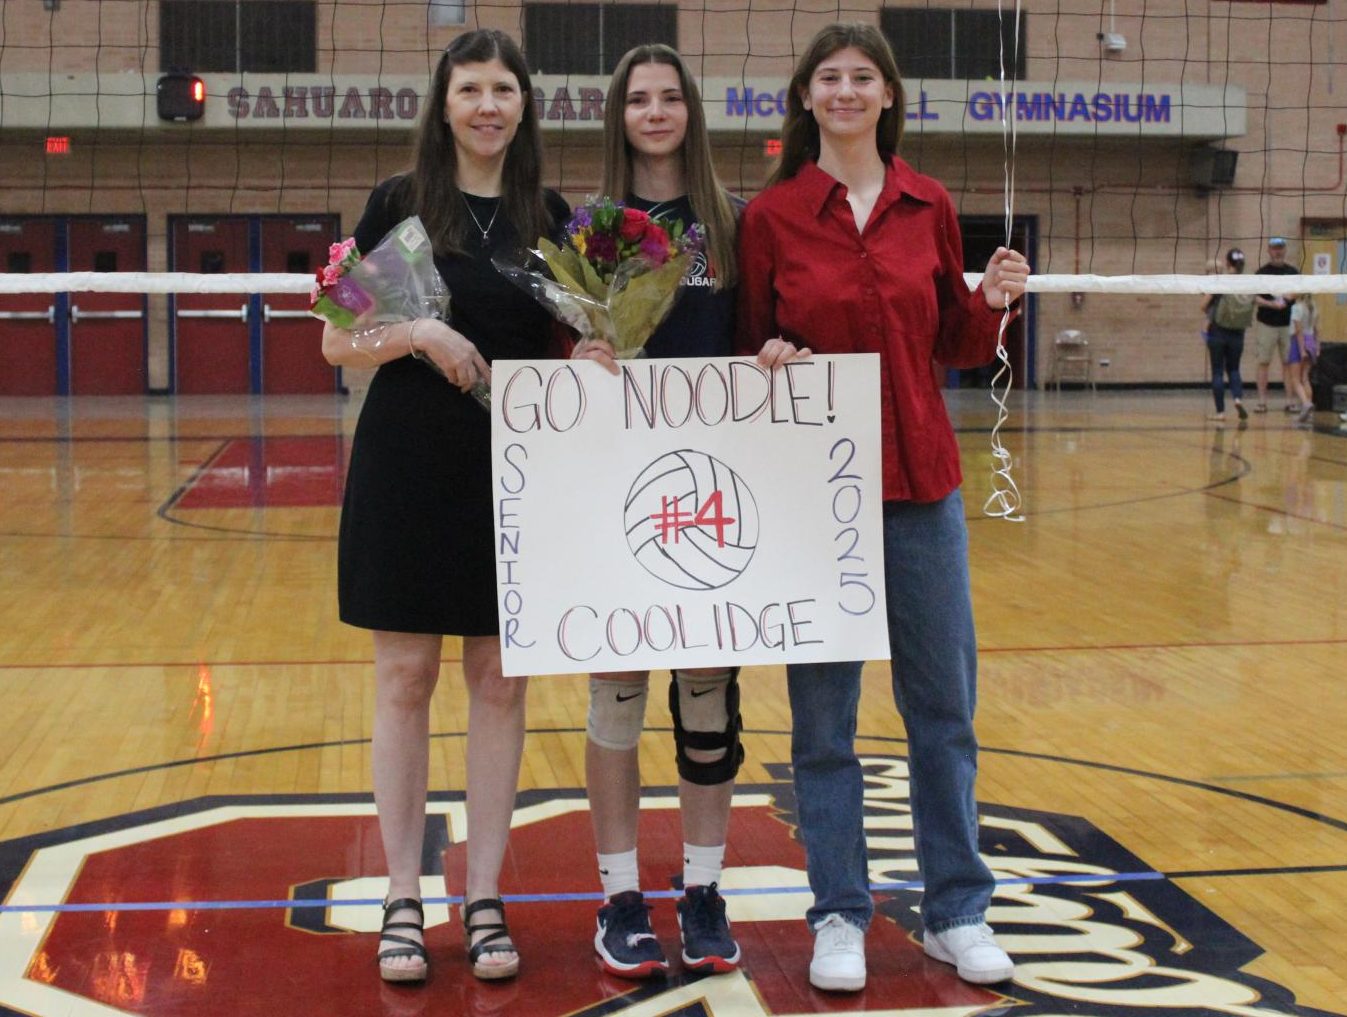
(415, 551)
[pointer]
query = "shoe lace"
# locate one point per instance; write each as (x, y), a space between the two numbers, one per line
(970, 937)
(633, 915)
(982, 936)
(705, 912)
(833, 935)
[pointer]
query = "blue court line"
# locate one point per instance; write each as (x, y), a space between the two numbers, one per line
(528, 898)
(592, 896)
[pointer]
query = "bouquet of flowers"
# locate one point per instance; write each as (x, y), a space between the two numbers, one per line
(614, 277)
(397, 281)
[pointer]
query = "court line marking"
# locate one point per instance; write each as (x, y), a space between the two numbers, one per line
(1211, 644)
(1297, 810)
(1103, 878)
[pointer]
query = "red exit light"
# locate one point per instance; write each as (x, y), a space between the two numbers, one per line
(58, 146)
(771, 147)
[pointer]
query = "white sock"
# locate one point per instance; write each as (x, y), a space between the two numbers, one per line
(702, 865)
(619, 872)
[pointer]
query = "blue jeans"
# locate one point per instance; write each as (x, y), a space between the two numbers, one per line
(1225, 346)
(934, 671)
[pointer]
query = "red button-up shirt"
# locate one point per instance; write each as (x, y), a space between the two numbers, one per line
(895, 289)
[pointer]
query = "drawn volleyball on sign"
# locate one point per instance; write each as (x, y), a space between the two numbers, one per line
(691, 521)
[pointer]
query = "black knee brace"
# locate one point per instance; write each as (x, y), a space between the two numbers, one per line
(727, 766)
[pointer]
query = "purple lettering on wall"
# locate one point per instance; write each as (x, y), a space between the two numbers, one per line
(562, 106)
(322, 100)
(296, 101)
(380, 104)
(353, 106)
(266, 105)
(238, 103)
(591, 104)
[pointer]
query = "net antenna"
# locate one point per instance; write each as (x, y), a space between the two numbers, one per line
(1005, 501)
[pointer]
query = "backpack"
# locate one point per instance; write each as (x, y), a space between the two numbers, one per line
(1234, 311)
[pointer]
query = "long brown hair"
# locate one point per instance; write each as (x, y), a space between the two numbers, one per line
(710, 202)
(799, 132)
(431, 189)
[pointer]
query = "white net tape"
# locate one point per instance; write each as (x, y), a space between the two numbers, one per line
(279, 282)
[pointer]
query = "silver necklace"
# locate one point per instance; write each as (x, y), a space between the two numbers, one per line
(478, 222)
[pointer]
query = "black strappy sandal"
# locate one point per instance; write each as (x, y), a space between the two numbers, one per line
(489, 944)
(410, 947)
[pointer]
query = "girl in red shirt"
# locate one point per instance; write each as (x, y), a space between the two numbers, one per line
(850, 250)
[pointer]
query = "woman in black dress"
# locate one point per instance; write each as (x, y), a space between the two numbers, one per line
(415, 557)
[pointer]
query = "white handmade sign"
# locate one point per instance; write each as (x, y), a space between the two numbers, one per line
(688, 513)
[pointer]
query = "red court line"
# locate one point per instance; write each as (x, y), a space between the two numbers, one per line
(280, 472)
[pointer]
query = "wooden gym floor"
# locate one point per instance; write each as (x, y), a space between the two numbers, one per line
(184, 765)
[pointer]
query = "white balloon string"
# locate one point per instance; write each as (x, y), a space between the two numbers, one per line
(1005, 501)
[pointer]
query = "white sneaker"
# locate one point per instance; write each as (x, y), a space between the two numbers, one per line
(973, 951)
(839, 956)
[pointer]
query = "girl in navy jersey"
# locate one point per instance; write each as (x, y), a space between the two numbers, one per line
(658, 159)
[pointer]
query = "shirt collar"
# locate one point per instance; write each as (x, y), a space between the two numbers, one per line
(816, 186)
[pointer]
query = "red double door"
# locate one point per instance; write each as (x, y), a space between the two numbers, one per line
(72, 343)
(260, 343)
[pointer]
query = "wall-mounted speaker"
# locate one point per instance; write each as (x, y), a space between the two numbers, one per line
(1213, 167)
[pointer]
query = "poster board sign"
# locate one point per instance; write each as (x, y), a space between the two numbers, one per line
(687, 513)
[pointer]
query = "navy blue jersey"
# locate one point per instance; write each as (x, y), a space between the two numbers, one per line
(701, 323)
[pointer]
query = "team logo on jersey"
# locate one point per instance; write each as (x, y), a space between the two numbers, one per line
(260, 905)
(700, 272)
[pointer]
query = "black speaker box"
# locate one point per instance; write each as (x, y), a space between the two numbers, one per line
(1329, 371)
(1214, 167)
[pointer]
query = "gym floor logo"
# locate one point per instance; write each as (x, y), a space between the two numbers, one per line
(252, 906)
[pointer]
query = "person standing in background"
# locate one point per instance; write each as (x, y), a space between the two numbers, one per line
(1225, 343)
(1304, 351)
(1272, 330)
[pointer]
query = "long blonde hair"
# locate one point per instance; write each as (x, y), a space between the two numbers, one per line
(710, 201)
(1311, 326)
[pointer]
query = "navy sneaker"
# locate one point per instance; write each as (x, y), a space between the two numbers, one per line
(625, 942)
(708, 946)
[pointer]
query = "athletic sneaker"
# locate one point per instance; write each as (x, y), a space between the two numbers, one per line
(973, 951)
(839, 955)
(708, 945)
(1239, 408)
(624, 941)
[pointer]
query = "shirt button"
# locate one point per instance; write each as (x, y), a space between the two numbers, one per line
(864, 255)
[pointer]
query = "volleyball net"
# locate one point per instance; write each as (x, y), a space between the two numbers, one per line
(188, 149)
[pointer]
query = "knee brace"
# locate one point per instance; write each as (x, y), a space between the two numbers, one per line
(706, 719)
(616, 712)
